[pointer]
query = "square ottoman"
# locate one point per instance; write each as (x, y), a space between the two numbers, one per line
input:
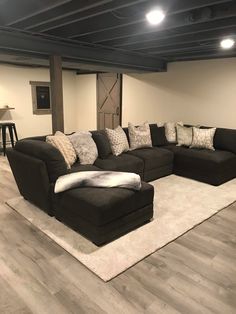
(104, 214)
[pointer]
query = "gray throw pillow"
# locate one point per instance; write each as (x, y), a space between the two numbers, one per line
(170, 131)
(203, 138)
(84, 146)
(118, 140)
(184, 135)
(139, 136)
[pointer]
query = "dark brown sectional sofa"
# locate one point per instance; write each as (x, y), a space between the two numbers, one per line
(105, 215)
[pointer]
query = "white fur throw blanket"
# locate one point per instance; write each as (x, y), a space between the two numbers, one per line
(102, 179)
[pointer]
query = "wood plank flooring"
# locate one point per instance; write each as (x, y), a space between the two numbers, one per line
(194, 274)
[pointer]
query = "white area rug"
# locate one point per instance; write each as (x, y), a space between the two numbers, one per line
(180, 204)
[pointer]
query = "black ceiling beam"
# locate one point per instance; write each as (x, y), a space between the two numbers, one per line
(175, 21)
(35, 44)
(74, 16)
(109, 21)
(144, 40)
(181, 49)
(188, 39)
(14, 13)
(63, 10)
(212, 54)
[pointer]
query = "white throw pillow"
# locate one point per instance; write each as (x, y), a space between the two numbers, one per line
(184, 135)
(170, 131)
(118, 140)
(139, 136)
(85, 147)
(63, 144)
(203, 138)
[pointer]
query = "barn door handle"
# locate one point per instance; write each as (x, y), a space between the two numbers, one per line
(117, 111)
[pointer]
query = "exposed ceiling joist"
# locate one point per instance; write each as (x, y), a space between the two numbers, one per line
(172, 22)
(61, 11)
(146, 39)
(75, 16)
(187, 39)
(26, 9)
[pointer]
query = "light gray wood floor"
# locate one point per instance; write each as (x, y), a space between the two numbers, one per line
(194, 274)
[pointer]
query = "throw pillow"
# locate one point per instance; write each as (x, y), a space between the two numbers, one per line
(85, 147)
(170, 131)
(63, 144)
(118, 140)
(103, 144)
(139, 136)
(203, 138)
(158, 135)
(184, 135)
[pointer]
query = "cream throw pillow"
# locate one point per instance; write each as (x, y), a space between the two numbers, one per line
(63, 144)
(203, 138)
(170, 131)
(139, 136)
(84, 146)
(184, 135)
(118, 140)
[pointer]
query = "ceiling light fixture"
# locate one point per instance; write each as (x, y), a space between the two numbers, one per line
(155, 17)
(227, 43)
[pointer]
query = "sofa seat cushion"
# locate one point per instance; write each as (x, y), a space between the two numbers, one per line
(153, 157)
(78, 167)
(123, 162)
(213, 167)
(100, 206)
(206, 156)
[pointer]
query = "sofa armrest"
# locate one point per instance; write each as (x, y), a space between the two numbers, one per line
(32, 179)
(53, 159)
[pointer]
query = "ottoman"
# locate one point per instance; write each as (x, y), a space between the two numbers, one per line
(104, 214)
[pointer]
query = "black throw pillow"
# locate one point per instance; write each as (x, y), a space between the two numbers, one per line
(158, 135)
(102, 142)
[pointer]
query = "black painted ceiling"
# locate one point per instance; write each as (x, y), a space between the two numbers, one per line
(115, 35)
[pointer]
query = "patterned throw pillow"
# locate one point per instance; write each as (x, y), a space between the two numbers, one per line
(63, 144)
(139, 136)
(184, 135)
(85, 147)
(203, 138)
(170, 130)
(118, 140)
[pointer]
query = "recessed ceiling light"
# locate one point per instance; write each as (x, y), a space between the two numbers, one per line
(227, 43)
(155, 17)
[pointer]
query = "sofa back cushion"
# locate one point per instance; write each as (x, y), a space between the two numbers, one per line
(225, 139)
(55, 162)
(103, 144)
(158, 135)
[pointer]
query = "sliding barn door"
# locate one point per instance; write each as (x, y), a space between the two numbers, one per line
(109, 99)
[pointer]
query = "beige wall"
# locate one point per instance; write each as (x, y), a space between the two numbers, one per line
(86, 114)
(198, 92)
(15, 91)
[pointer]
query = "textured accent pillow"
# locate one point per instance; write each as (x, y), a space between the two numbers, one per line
(63, 144)
(85, 147)
(170, 131)
(139, 136)
(118, 140)
(184, 135)
(203, 138)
